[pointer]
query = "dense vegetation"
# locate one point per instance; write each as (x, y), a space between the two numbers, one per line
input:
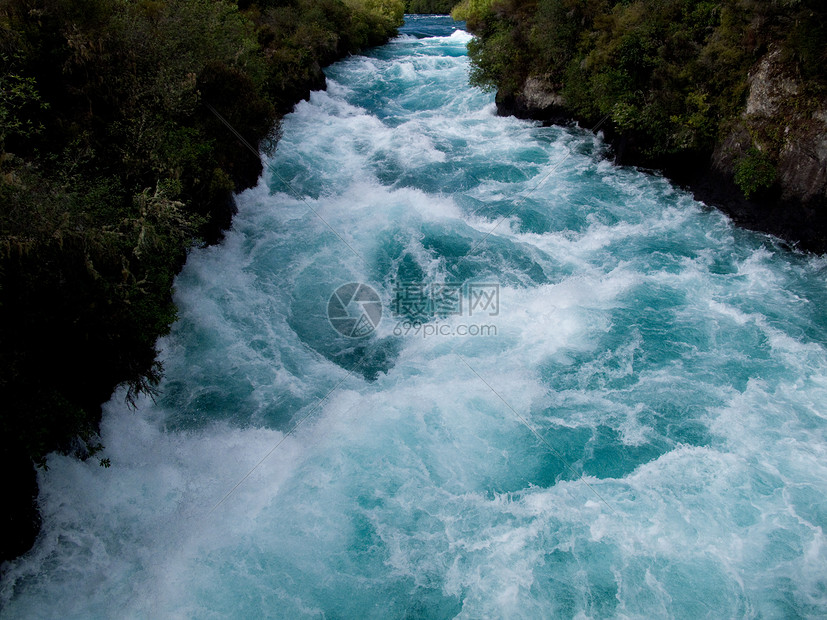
(111, 167)
(671, 76)
(429, 7)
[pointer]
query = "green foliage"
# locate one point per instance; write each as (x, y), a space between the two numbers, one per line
(429, 7)
(476, 13)
(389, 12)
(493, 61)
(18, 95)
(754, 171)
(112, 166)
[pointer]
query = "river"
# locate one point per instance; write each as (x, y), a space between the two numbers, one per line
(447, 364)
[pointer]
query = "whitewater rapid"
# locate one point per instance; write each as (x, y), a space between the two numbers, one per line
(640, 432)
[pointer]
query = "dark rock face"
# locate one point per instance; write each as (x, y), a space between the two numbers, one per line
(20, 520)
(535, 101)
(794, 208)
(803, 224)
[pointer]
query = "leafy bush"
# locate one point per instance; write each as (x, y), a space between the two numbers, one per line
(477, 14)
(754, 171)
(429, 7)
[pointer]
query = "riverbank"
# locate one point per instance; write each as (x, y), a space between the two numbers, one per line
(800, 223)
(112, 166)
(729, 102)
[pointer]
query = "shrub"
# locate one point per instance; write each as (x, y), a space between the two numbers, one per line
(754, 171)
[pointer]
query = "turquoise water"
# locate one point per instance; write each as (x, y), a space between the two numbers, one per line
(639, 433)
